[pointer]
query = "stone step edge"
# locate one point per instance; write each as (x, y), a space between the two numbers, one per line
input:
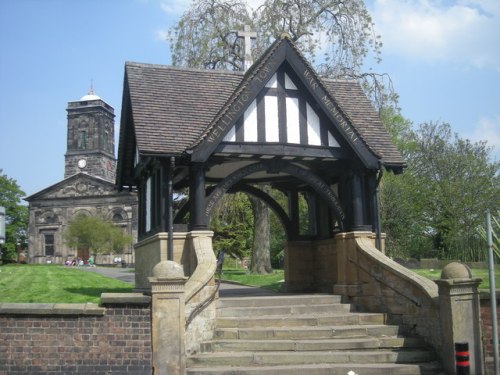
(359, 369)
(382, 340)
(305, 316)
(255, 308)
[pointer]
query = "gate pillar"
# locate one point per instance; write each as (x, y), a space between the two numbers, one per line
(168, 319)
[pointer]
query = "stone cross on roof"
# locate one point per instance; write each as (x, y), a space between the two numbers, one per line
(247, 35)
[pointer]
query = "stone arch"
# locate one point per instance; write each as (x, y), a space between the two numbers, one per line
(117, 215)
(249, 189)
(81, 211)
(318, 185)
(282, 215)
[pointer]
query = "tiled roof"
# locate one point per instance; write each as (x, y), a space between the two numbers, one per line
(351, 98)
(170, 110)
(172, 107)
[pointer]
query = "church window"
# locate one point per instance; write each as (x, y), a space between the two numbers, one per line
(106, 141)
(117, 217)
(83, 139)
(49, 244)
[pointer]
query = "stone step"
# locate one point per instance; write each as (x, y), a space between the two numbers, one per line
(358, 343)
(273, 358)
(306, 335)
(300, 320)
(431, 368)
(281, 300)
(294, 333)
(283, 310)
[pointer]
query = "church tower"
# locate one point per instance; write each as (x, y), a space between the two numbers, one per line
(90, 144)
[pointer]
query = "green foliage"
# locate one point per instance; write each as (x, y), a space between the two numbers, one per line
(206, 35)
(97, 235)
(232, 223)
(55, 284)
(342, 31)
(271, 281)
(435, 207)
(16, 217)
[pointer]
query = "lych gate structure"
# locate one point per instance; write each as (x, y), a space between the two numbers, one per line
(280, 124)
(216, 132)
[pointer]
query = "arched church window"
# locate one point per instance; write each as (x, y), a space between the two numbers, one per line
(117, 217)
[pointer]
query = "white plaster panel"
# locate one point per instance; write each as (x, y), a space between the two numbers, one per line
(332, 142)
(292, 120)
(273, 81)
(231, 135)
(313, 127)
(272, 125)
(289, 85)
(250, 123)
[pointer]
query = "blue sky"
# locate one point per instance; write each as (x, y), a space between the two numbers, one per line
(443, 57)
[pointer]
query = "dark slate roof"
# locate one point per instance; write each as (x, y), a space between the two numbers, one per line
(172, 107)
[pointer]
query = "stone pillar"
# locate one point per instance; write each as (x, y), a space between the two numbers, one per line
(168, 319)
(348, 283)
(460, 316)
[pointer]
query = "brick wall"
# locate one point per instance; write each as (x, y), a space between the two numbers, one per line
(70, 339)
(487, 329)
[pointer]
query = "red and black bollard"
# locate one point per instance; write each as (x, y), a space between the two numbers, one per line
(462, 358)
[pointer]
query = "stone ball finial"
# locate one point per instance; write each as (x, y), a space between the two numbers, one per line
(455, 270)
(168, 269)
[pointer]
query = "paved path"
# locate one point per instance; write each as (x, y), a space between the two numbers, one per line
(226, 289)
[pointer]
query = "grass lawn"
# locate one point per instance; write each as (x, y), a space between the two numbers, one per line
(55, 284)
(476, 272)
(59, 284)
(271, 281)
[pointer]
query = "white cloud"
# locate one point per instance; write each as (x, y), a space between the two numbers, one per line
(457, 31)
(487, 129)
(174, 7)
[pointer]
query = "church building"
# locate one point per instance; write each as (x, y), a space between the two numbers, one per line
(88, 188)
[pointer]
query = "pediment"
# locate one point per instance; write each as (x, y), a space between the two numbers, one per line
(77, 186)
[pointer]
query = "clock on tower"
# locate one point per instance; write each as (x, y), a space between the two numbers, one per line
(90, 141)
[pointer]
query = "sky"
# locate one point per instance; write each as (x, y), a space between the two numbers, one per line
(443, 57)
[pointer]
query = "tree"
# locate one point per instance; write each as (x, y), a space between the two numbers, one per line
(261, 255)
(341, 31)
(16, 217)
(231, 222)
(461, 180)
(206, 37)
(437, 205)
(98, 236)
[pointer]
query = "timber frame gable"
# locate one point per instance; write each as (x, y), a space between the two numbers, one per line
(285, 65)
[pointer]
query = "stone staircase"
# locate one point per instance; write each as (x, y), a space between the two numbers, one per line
(306, 335)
